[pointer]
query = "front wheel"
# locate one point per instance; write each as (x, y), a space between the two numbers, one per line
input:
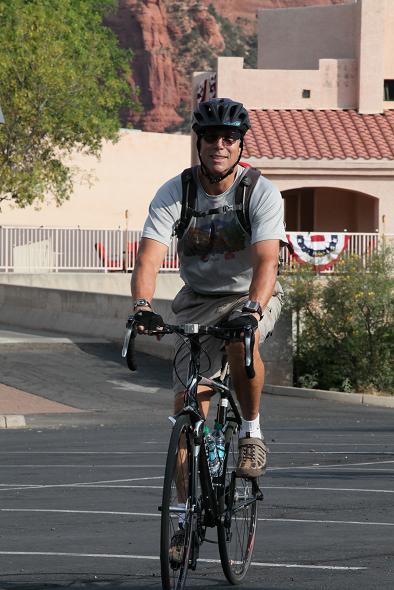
(176, 509)
(238, 509)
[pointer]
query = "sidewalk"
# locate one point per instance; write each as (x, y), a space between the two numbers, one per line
(15, 404)
(18, 403)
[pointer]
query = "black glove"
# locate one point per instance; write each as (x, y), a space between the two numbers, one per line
(149, 319)
(241, 322)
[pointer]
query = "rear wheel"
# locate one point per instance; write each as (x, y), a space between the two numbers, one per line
(238, 509)
(176, 508)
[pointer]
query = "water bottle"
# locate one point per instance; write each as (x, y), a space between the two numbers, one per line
(212, 452)
(220, 445)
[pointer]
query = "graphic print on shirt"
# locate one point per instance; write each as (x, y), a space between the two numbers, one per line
(220, 236)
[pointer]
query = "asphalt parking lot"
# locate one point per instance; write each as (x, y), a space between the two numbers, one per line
(79, 492)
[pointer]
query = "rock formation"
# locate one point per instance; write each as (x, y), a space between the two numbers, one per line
(172, 38)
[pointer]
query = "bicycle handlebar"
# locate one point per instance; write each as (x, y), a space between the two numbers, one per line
(245, 333)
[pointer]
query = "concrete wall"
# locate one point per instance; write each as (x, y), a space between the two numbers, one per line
(331, 85)
(296, 38)
(371, 54)
(125, 178)
(167, 285)
(104, 315)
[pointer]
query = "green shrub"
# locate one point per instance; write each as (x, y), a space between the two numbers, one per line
(344, 324)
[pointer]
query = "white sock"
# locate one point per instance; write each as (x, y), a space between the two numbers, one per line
(182, 515)
(251, 427)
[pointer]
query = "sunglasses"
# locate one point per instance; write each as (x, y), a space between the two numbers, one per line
(228, 138)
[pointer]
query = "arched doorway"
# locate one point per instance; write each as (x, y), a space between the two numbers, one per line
(328, 209)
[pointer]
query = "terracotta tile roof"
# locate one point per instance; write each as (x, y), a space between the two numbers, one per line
(307, 134)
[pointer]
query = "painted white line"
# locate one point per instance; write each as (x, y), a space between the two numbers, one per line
(155, 515)
(127, 386)
(76, 484)
(162, 466)
(84, 466)
(361, 490)
(335, 466)
(61, 511)
(319, 443)
(85, 452)
(314, 452)
(315, 521)
(156, 558)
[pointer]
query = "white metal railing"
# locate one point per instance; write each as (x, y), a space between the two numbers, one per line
(41, 249)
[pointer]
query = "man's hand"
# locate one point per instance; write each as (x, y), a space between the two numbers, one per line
(148, 321)
(239, 323)
(242, 321)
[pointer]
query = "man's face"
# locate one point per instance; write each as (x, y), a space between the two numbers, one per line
(220, 149)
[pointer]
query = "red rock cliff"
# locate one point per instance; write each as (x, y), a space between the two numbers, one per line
(170, 39)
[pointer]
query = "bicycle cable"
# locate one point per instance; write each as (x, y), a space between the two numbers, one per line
(186, 342)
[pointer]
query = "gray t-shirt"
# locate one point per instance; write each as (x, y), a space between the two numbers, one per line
(214, 251)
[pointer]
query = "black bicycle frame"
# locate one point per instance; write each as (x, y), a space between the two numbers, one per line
(209, 485)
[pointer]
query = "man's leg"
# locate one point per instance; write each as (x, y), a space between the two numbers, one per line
(248, 390)
(252, 458)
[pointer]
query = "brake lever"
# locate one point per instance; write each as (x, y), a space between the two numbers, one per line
(249, 339)
(128, 335)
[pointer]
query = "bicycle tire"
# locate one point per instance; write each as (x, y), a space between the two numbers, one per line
(130, 354)
(238, 523)
(177, 482)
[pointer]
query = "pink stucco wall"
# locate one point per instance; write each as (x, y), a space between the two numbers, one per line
(125, 178)
(296, 38)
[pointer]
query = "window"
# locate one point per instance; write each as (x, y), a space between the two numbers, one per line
(306, 93)
(389, 90)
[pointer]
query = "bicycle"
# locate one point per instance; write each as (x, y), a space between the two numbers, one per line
(192, 496)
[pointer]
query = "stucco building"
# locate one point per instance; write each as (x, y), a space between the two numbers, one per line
(321, 103)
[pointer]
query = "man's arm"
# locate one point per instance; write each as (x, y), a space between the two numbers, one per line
(143, 280)
(265, 256)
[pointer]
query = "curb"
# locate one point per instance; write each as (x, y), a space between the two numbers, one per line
(12, 421)
(338, 396)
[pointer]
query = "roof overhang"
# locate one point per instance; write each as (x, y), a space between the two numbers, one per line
(335, 167)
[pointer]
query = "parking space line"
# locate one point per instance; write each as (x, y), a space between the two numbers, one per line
(318, 443)
(82, 466)
(155, 515)
(125, 483)
(336, 466)
(156, 558)
(327, 489)
(76, 484)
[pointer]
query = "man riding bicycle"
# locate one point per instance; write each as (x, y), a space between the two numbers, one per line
(230, 275)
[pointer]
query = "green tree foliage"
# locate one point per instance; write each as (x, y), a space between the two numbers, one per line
(238, 41)
(63, 80)
(344, 325)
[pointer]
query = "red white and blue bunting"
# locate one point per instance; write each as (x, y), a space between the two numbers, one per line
(319, 250)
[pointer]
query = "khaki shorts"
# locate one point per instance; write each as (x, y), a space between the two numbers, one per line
(190, 307)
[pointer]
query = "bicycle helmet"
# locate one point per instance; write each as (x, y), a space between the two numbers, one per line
(219, 113)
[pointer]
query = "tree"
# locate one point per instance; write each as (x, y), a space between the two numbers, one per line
(345, 324)
(63, 81)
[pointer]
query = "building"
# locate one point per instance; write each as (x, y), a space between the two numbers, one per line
(321, 103)
(114, 190)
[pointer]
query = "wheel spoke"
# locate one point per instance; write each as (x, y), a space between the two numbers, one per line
(236, 534)
(176, 517)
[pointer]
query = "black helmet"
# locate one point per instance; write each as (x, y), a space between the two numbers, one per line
(220, 112)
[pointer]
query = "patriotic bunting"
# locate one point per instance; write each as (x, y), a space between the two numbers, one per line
(321, 251)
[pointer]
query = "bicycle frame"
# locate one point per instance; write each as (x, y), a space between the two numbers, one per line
(199, 468)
